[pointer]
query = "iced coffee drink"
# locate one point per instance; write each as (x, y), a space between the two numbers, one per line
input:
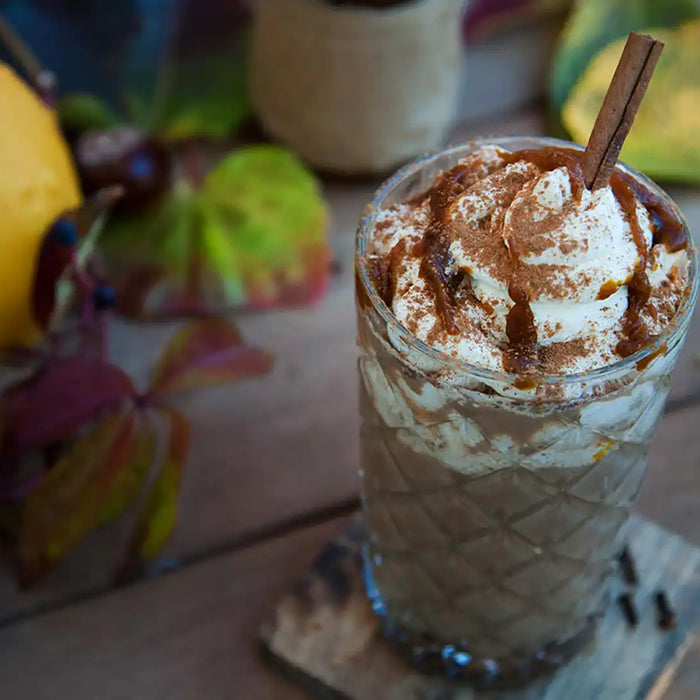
(517, 334)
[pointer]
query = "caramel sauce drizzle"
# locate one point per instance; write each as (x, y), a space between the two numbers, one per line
(434, 248)
(379, 274)
(551, 158)
(607, 289)
(521, 330)
(522, 354)
(638, 288)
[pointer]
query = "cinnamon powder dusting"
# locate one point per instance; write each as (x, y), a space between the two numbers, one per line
(450, 287)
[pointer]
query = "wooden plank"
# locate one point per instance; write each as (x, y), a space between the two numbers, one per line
(670, 492)
(686, 378)
(188, 635)
(263, 450)
(670, 495)
(686, 681)
(191, 634)
(324, 627)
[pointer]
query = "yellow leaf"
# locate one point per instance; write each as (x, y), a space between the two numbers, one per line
(664, 141)
(130, 479)
(157, 519)
(65, 506)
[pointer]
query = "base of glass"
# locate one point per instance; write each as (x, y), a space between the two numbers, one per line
(456, 662)
(452, 661)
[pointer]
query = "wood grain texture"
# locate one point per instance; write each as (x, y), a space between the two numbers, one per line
(190, 635)
(670, 494)
(185, 636)
(685, 684)
(324, 627)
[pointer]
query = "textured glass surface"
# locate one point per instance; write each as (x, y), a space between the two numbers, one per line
(494, 520)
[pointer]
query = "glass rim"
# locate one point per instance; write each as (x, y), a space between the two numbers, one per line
(672, 335)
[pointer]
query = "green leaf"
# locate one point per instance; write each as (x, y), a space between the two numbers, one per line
(149, 254)
(663, 141)
(197, 86)
(131, 477)
(209, 97)
(253, 236)
(269, 207)
(157, 519)
(78, 112)
(593, 24)
(60, 512)
(173, 67)
(92, 216)
(207, 353)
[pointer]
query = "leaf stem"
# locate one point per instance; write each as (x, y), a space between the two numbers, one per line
(103, 334)
(166, 74)
(85, 285)
(192, 167)
(194, 174)
(43, 81)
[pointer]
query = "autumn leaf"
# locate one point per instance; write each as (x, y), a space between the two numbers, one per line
(130, 479)
(264, 227)
(148, 255)
(79, 112)
(65, 394)
(663, 142)
(54, 288)
(253, 236)
(175, 68)
(593, 24)
(157, 519)
(203, 90)
(207, 353)
(61, 510)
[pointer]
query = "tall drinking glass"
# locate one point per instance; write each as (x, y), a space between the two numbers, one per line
(494, 514)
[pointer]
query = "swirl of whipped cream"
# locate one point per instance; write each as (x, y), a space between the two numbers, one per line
(573, 252)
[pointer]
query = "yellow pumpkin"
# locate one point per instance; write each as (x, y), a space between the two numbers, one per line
(37, 183)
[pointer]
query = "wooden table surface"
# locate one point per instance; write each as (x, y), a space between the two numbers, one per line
(272, 476)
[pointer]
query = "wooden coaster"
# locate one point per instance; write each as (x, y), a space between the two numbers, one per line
(324, 634)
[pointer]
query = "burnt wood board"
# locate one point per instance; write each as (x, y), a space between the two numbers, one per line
(324, 635)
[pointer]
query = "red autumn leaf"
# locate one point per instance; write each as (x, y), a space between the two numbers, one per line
(157, 519)
(59, 398)
(206, 353)
(66, 505)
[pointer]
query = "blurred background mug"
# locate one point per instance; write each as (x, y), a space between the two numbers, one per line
(356, 89)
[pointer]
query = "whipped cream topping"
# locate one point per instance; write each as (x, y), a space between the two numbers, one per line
(531, 272)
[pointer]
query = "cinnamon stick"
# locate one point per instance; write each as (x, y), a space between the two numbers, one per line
(614, 120)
